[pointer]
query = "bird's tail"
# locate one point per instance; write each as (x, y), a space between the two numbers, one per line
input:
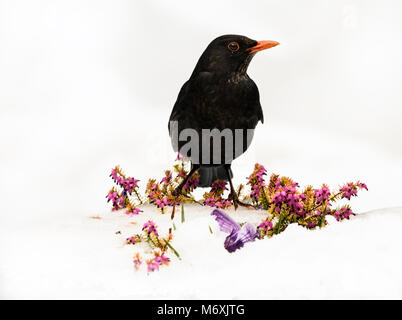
(208, 175)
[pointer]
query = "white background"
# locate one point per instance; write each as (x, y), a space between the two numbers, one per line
(86, 85)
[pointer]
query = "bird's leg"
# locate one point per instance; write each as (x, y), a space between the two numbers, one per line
(233, 194)
(178, 190)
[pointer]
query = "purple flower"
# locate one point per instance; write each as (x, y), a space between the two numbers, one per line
(238, 236)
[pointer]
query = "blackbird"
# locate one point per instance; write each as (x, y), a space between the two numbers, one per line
(221, 100)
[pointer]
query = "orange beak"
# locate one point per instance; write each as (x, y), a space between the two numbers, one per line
(262, 45)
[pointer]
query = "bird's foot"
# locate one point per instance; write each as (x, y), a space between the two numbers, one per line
(236, 202)
(177, 192)
(246, 205)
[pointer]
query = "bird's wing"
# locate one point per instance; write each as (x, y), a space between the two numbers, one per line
(256, 101)
(226, 223)
(260, 113)
(178, 105)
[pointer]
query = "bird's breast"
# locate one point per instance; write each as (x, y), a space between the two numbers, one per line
(226, 104)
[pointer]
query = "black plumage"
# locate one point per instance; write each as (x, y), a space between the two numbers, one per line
(220, 95)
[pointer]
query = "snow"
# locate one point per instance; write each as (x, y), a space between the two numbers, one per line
(80, 94)
(85, 259)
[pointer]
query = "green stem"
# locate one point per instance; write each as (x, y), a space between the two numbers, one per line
(182, 214)
(173, 249)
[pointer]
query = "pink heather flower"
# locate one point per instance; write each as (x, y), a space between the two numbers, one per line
(343, 213)
(112, 195)
(312, 225)
(150, 227)
(265, 225)
(129, 184)
(322, 194)
(256, 181)
(218, 186)
(181, 173)
(131, 240)
(162, 259)
(288, 196)
(349, 190)
(362, 185)
(152, 265)
(220, 204)
(217, 203)
(120, 201)
(210, 202)
(279, 197)
(130, 212)
(157, 261)
(179, 156)
(113, 174)
(137, 261)
(161, 203)
(167, 178)
(191, 184)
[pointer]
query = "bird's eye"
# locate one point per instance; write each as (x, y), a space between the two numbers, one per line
(233, 46)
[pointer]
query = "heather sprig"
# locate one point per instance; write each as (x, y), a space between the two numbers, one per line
(134, 239)
(257, 183)
(128, 184)
(214, 198)
(158, 260)
(343, 213)
(137, 260)
(158, 244)
(150, 227)
(161, 194)
(120, 199)
(281, 197)
(308, 208)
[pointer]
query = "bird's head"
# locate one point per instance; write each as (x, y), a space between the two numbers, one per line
(231, 54)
